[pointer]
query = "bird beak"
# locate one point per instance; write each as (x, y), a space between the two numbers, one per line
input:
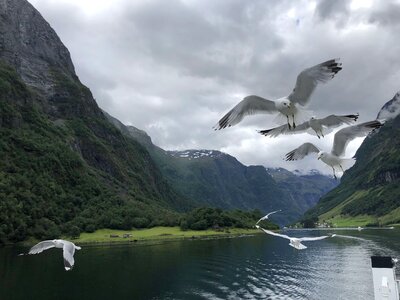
(319, 158)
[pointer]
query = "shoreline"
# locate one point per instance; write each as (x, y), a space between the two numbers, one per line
(150, 236)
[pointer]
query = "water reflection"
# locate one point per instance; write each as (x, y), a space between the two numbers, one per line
(259, 267)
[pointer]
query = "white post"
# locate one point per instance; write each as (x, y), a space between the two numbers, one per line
(386, 286)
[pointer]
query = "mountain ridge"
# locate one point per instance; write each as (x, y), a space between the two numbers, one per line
(371, 187)
(214, 178)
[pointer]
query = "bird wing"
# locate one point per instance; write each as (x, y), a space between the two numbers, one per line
(309, 78)
(68, 254)
(302, 151)
(275, 234)
(345, 135)
(317, 238)
(40, 247)
(250, 105)
(267, 215)
(335, 121)
(284, 129)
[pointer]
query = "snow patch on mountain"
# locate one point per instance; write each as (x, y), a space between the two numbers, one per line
(196, 154)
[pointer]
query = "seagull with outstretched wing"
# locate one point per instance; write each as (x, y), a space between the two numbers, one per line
(290, 106)
(67, 246)
(295, 242)
(267, 215)
(334, 159)
(320, 127)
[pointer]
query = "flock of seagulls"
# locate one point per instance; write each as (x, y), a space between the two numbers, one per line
(292, 108)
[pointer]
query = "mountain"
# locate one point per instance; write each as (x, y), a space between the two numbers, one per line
(65, 168)
(304, 189)
(370, 190)
(217, 179)
(391, 109)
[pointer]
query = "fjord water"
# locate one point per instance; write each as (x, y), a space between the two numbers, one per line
(256, 267)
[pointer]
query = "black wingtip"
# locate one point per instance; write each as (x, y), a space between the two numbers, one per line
(289, 156)
(375, 124)
(264, 132)
(354, 117)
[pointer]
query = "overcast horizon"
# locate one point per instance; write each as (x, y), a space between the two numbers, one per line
(174, 70)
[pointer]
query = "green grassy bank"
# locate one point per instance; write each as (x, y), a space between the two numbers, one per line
(155, 234)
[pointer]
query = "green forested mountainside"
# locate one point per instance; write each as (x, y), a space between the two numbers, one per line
(304, 189)
(206, 217)
(72, 174)
(372, 186)
(216, 179)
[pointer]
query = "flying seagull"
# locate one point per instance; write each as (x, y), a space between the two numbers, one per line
(320, 127)
(68, 250)
(289, 106)
(266, 216)
(342, 138)
(296, 242)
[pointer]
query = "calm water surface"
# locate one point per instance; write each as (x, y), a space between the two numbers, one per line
(258, 267)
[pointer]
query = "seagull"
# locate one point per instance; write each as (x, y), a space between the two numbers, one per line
(295, 242)
(318, 126)
(288, 106)
(342, 138)
(67, 246)
(266, 216)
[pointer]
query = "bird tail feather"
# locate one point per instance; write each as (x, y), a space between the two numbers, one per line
(347, 163)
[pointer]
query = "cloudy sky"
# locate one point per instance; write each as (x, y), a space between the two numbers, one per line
(174, 68)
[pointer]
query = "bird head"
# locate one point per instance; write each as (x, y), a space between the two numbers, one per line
(320, 155)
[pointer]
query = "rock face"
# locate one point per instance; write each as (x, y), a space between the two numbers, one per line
(217, 179)
(31, 46)
(391, 109)
(372, 185)
(28, 43)
(65, 166)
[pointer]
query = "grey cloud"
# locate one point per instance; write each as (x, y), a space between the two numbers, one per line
(174, 69)
(387, 14)
(337, 11)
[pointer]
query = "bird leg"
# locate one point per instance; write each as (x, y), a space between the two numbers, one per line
(288, 122)
(334, 175)
(341, 168)
(294, 124)
(322, 134)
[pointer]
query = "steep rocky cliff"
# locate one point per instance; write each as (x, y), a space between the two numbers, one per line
(64, 166)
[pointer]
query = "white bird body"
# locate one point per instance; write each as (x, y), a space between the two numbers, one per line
(290, 106)
(334, 159)
(295, 242)
(67, 246)
(318, 127)
(330, 159)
